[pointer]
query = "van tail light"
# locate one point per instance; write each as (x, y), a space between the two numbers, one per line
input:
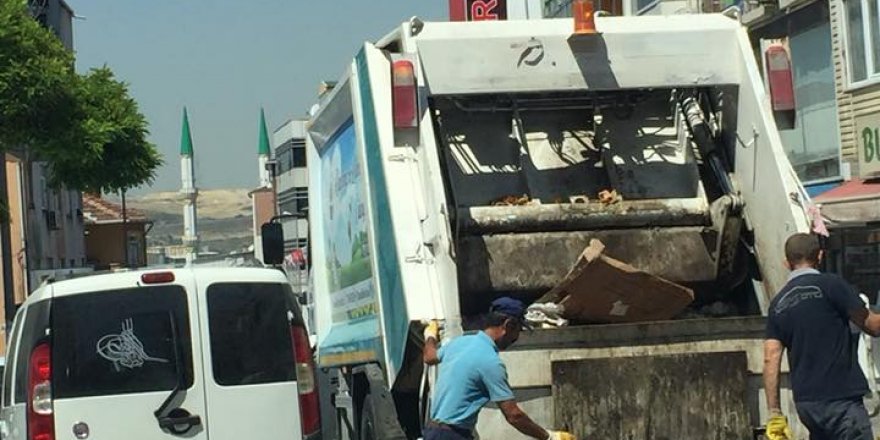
(403, 91)
(309, 408)
(41, 423)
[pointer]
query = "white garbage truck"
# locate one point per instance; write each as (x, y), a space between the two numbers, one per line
(455, 162)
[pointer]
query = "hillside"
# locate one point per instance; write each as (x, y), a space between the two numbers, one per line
(224, 215)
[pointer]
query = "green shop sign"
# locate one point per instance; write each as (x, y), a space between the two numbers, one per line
(868, 142)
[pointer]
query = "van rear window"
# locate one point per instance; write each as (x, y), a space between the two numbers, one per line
(250, 333)
(120, 342)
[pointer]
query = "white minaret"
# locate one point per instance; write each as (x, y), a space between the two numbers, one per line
(188, 191)
(263, 153)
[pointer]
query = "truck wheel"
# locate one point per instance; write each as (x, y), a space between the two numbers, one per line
(368, 424)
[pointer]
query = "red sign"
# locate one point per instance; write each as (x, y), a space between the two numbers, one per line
(780, 76)
(477, 10)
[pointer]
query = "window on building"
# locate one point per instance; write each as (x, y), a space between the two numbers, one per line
(290, 155)
(299, 155)
(863, 40)
(284, 157)
(296, 201)
(134, 250)
(813, 143)
(44, 187)
(301, 196)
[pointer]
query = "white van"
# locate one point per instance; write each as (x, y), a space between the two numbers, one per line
(191, 353)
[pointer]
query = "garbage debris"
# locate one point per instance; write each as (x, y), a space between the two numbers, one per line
(513, 201)
(546, 315)
(600, 289)
(609, 197)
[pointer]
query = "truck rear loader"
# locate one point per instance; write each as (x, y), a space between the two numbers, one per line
(453, 163)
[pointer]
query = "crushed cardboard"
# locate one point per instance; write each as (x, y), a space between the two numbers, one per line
(600, 289)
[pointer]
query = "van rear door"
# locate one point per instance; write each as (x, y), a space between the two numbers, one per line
(122, 360)
(251, 359)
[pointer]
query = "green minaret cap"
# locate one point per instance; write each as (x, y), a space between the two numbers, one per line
(186, 142)
(263, 147)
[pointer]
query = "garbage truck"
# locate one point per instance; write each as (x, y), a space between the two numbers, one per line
(456, 162)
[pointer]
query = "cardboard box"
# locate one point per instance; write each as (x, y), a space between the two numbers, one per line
(600, 289)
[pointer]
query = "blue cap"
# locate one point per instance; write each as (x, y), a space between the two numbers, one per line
(511, 307)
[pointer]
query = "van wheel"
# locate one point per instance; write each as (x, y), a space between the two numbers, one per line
(368, 423)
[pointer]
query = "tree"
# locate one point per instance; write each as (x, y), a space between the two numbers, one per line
(117, 156)
(86, 127)
(36, 80)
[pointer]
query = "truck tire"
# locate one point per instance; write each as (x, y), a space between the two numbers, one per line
(367, 429)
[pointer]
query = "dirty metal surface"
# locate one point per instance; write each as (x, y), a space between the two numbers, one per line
(644, 333)
(537, 262)
(680, 397)
(583, 216)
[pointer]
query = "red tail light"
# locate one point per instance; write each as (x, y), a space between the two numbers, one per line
(41, 423)
(305, 379)
(157, 277)
(403, 82)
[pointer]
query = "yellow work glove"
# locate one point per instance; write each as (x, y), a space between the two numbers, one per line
(777, 427)
(432, 330)
(561, 435)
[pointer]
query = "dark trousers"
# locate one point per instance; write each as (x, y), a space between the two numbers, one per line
(844, 419)
(436, 431)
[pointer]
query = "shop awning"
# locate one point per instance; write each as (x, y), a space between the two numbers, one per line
(853, 203)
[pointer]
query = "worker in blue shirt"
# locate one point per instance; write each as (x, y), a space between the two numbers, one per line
(810, 319)
(471, 375)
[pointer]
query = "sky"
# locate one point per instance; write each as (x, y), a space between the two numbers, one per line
(223, 60)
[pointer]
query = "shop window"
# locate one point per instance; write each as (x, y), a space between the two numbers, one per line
(854, 254)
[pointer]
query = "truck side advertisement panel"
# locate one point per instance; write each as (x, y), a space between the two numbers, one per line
(346, 257)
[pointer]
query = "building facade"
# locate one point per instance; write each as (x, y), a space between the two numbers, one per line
(54, 232)
(292, 180)
(114, 238)
(292, 189)
(833, 135)
(854, 206)
(45, 227)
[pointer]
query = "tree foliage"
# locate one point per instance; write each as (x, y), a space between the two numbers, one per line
(117, 156)
(87, 127)
(36, 74)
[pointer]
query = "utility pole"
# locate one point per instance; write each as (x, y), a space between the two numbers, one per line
(124, 232)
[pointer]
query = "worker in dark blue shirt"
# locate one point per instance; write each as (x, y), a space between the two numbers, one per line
(472, 375)
(810, 319)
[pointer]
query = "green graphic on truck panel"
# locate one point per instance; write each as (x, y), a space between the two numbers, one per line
(390, 284)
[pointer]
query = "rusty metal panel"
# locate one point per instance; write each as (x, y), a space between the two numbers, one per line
(682, 397)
